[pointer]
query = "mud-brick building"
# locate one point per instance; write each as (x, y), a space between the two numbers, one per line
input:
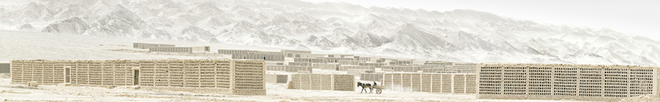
(240, 77)
(196, 49)
(335, 82)
(5, 67)
(148, 45)
(455, 83)
(566, 81)
(249, 54)
(297, 54)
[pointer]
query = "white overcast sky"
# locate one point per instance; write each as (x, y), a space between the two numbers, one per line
(640, 17)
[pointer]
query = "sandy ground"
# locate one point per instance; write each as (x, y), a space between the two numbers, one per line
(275, 93)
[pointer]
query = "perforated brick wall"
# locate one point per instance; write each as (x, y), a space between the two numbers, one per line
(565, 81)
(349, 62)
(335, 82)
(401, 68)
(436, 83)
(249, 77)
(344, 82)
(447, 83)
(172, 49)
(416, 82)
(459, 84)
(147, 45)
(431, 82)
(245, 77)
(388, 80)
(271, 78)
(326, 82)
(346, 67)
(290, 68)
(276, 67)
(427, 85)
(325, 66)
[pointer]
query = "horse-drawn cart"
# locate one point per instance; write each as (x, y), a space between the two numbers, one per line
(379, 89)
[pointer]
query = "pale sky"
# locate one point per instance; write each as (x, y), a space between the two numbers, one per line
(640, 17)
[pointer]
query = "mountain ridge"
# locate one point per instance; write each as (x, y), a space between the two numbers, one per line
(460, 35)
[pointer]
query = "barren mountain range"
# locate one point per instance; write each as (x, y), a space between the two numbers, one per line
(457, 35)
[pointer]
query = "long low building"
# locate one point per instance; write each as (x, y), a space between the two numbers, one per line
(566, 81)
(241, 77)
(326, 66)
(376, 65)
(148, 45)
(400, 62)
(349, 62)
(249, 54)
(345, 68)
(172, 49)
(289, 68)
(309, 60)
(297, 53)
(466, 67)
(335, 60)
(401, 68)
(196, 49)
(5, 67)
(299, 64)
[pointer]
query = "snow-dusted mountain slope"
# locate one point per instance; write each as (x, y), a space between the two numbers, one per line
(458, 35)
(16, 45)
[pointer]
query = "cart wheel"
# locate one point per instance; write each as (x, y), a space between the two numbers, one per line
(378, 91)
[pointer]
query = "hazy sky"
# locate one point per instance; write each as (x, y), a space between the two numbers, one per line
(628, 16)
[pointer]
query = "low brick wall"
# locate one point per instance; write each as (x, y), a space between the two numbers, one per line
(431, 82)
(337, 82)
(276, 78)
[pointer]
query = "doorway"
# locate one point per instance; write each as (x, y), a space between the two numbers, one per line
(67, 74)
(136, 76)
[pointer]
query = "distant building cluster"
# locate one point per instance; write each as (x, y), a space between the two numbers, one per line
(246, 74)
(371, 68)
(305, 61)
(168, 48)
(247, 54)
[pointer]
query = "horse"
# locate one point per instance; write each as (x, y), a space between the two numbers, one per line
(363, 85)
